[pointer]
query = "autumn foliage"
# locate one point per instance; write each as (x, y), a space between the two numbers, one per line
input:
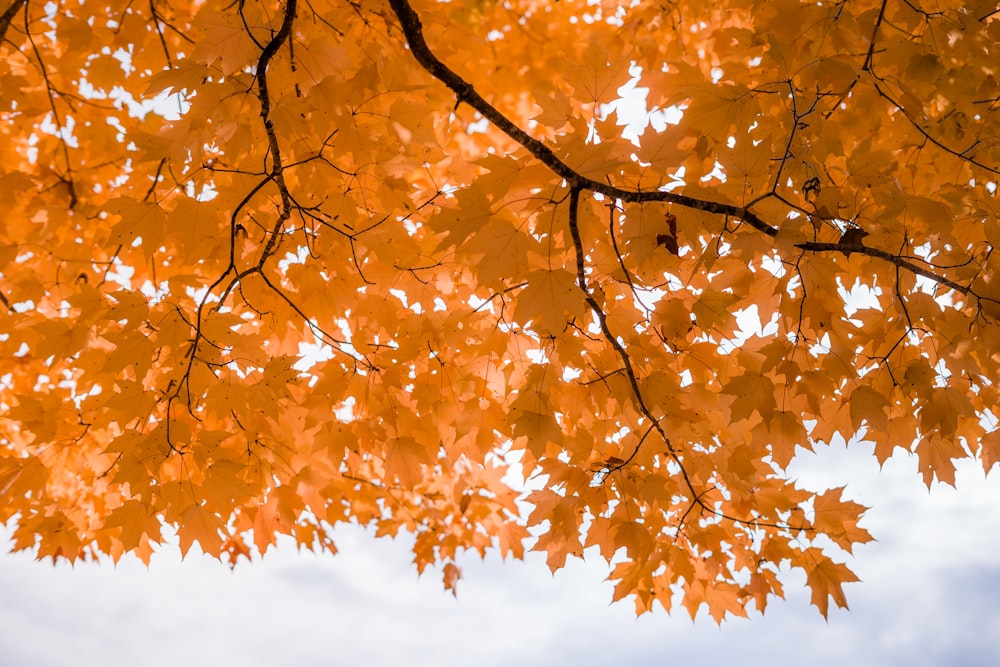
(267, 267)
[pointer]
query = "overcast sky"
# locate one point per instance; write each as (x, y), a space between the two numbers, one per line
(929, 597)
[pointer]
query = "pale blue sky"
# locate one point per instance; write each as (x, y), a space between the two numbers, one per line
(929, 597)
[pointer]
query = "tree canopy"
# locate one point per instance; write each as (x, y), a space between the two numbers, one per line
(267, 267)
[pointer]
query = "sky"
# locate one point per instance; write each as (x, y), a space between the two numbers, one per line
(928, 597)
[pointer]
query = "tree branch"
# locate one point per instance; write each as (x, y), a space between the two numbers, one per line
(860, 249)
(465, 92)
(413, 31)
(8, 16)
(264, 95)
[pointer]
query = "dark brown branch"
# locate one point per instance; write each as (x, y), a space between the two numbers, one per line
(871, 42)
(8, 16)
(159, 33)
(797, 124)
(413, 31)
(467, 94)
(847, 249)
(274, 150)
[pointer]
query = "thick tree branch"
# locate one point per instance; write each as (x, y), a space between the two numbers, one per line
(8, 16)
(274, 150)
(466, 93)
(413, 31)
(847, 249)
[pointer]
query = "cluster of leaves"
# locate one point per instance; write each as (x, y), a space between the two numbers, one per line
(271, 266)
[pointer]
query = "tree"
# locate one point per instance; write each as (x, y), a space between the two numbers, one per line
(267, 267)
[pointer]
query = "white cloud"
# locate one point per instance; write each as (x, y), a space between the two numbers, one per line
(928, 598)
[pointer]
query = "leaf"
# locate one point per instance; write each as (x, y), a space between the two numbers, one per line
(754, 393)
(826, 579)
(674, 318)
(140, 222)
(226, 41)
(188, 76)
(199, 525)
(989, 452)
(936, 457)
(136, 522)
(635, 538)
(943, 411)
(838, 519)
(868, 407)
(598, 71)
(403, 460)
(539, 430)
(549, 300)
(451, 576)
(786, 431)
(712, 310)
